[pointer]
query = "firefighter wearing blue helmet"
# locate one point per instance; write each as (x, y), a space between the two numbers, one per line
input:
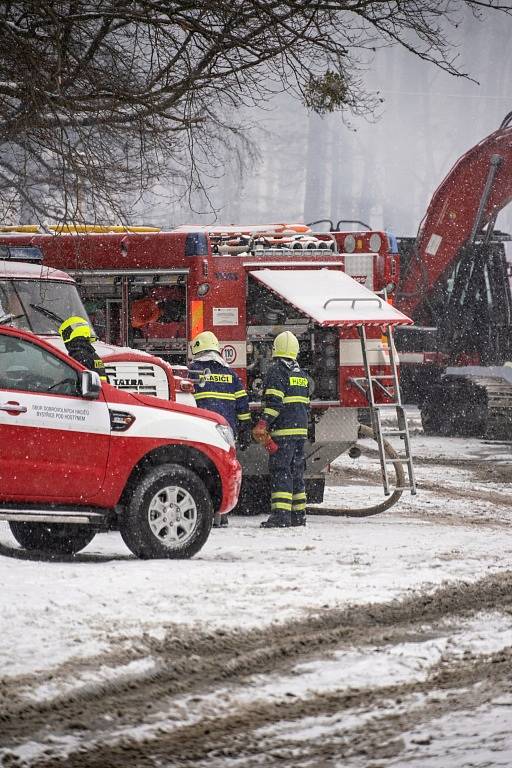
(283, 429)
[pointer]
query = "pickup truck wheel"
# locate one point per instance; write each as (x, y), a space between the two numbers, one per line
(55, 538)
(170, 514)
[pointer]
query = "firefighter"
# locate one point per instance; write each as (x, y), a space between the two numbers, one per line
(77, 336)
(219, 389)
(283, 429)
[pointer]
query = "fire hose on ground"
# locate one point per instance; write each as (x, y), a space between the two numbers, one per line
(388, 502)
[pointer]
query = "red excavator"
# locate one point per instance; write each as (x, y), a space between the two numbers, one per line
(456, 284)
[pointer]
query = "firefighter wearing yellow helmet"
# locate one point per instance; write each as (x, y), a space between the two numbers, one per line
(77, 336)
(219, 389)
(283, 429)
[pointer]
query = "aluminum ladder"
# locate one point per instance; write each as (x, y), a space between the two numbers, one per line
(389, 385)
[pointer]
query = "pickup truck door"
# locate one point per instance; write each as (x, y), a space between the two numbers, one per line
(53, 443)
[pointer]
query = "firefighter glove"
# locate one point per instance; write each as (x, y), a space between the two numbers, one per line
(261, 435)
(260, 432)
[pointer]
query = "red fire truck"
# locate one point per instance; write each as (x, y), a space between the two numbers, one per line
(154, 291)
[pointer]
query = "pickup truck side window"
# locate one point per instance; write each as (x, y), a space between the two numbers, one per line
(29, 368)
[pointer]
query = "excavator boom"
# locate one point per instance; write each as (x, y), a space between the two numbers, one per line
(470, 197)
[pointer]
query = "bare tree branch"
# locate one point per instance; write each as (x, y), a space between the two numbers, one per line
(114, 96)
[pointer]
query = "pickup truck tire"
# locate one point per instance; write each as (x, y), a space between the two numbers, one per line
(54, 538)
(170, 514)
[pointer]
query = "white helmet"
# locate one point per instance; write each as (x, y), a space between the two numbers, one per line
(285, 344)
(205, 342)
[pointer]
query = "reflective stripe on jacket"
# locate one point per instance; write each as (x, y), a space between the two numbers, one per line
(219, 389)
(286, 400)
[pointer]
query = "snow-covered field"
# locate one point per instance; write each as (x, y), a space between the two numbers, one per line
(382, 641)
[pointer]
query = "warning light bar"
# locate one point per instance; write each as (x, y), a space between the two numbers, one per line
(27, 253)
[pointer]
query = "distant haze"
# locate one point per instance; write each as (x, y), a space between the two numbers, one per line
(382, 172)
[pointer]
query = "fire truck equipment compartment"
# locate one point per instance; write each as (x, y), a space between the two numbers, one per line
(330, 297)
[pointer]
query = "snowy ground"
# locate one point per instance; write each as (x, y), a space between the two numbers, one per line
(374, 642)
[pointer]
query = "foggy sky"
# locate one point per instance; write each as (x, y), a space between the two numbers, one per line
(380, 171)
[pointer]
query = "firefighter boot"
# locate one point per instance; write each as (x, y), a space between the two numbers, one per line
(298, 518)
(280, 518)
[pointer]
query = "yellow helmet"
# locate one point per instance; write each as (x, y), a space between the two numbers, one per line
(74, 327)
(285, 344)
(205, 342)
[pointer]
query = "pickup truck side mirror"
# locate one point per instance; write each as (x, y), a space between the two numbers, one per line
(90, 385)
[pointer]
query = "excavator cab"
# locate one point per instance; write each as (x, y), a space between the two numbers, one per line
(475, 326)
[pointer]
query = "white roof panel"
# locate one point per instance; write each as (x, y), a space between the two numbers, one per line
(330, 297)
(21, 270)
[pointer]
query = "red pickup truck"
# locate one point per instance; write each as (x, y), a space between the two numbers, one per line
(79, 456)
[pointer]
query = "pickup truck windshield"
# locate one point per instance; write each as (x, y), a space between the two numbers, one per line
(38, 306)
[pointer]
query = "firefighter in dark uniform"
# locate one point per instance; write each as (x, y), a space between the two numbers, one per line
(219, 389)
(77, 336)
(283, 429)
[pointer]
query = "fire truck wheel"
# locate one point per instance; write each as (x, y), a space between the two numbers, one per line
(254, 498)
(55, 538)
(170, 514)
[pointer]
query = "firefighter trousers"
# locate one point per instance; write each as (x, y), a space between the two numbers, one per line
(286, 467)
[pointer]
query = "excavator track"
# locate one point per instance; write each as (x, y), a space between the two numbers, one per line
(469, 406)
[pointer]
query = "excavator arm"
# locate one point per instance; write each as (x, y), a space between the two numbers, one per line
(469, 198)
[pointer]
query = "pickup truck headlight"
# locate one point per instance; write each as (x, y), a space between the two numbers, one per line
(227, 434)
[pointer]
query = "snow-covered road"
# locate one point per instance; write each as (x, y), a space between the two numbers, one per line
(383, 641)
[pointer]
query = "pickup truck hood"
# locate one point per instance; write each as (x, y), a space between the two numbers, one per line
(116, 396)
